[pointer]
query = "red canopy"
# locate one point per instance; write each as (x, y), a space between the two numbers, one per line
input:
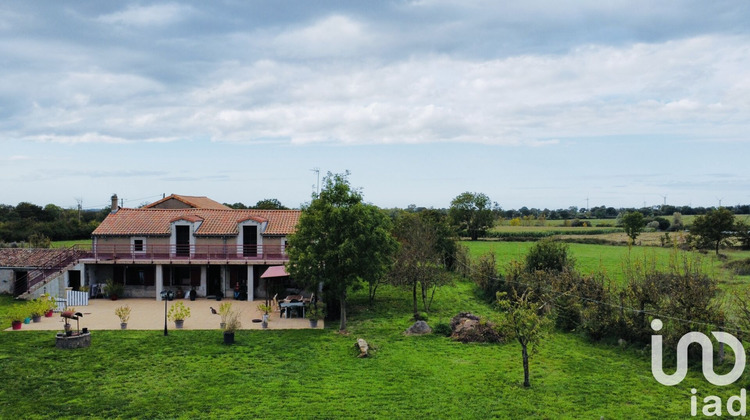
(275, 271)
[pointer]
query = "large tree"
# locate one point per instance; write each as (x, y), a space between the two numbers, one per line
(472, 212)
(714, 228)
(340, 242)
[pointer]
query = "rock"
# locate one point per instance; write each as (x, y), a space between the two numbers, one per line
(363, 347)
(419, 328)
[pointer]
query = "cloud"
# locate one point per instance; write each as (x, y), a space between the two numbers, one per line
(140, 16)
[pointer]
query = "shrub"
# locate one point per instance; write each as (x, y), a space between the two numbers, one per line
(740, 267)
(548, 255)
(442, 329)
(123, 312)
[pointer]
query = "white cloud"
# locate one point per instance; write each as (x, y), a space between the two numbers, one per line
(155, 15)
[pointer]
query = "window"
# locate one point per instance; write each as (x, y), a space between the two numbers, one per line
(139, 245)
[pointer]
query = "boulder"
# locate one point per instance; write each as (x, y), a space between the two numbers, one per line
(468, 328)
(419, 328)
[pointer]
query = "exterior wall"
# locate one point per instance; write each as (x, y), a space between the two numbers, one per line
(211, 240)
(6, 280)
(125, 240)
(272, 241)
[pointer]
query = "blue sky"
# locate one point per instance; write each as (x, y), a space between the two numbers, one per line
(537, 104)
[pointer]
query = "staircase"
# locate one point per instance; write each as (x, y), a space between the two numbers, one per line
(48, 270)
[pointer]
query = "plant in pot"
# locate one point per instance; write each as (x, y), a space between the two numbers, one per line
(38, 308)
(178, 313)
(224, 310)
(123, 312)
(17, 313)
(232, 323)
(265, 309)
(50, 303)
(114, 290)
(315, 312)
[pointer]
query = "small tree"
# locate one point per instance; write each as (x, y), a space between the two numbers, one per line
(713, 229)
(524, 322)
(419, 261)
(472, 212)
(633, 224)
(548, 255)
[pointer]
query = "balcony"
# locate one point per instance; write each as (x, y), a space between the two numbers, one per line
(104, 253)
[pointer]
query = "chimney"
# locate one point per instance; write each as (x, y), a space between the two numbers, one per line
(114, 203)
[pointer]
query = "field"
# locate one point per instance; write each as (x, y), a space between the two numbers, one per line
(609, 259)
(315, 374)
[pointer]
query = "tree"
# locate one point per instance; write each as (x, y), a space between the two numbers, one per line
(472, 212)
(633, 224)
(340, 242)
(714, 228)
(524, 322)
(419, 261)
(270, 204)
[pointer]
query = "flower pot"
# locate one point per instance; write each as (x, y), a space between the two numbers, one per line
(264, 324)
(313, 323)
(48, 314)
(36, 318)
(113, 297)
(178, 323)
(228, 338)
(27, 320)
(123, 325)
(16, 325)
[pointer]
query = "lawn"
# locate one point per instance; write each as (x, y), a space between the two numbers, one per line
(316, 374)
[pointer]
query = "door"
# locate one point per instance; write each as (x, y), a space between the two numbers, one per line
(183, 241)
(74, 280)
(250, 241)
(21, 283)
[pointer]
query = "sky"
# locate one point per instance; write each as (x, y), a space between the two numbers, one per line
(536, 103)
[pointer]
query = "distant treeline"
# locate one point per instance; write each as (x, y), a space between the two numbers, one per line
(22, 222)
(601, 212)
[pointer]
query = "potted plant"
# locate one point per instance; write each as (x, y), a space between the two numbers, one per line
(265, 309)
(114, 290)
(38, 308)
(123, 312)
(224, 310)
(17, 314)
(178, 313)
(316, 311)
(231, 324)
(51, 304)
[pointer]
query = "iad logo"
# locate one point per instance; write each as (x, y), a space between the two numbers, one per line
(708, 357)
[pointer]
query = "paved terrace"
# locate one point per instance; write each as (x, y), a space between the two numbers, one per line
(148, 314)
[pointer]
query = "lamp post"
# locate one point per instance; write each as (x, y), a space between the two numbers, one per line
(165, 296)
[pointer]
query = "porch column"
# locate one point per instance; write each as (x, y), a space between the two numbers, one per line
(222, 287)
(250, 283)
(159, 281)
(204, 275)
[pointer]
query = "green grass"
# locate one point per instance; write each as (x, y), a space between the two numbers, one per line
(316, 374)
(609, 259)
(86, 243)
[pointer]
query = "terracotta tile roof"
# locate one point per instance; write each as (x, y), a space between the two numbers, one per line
(192, 201)
(157, 222)
(28, 257)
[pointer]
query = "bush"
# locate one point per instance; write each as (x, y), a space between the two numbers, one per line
(548, 255)
(740, 267)
(442, 329)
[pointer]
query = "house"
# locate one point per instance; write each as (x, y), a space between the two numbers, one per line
(185, 242)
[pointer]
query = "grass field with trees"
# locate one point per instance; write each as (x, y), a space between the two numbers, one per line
(315, 373)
